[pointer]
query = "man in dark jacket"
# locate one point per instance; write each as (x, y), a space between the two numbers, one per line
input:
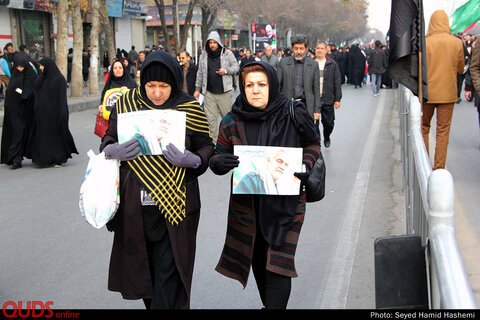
(377, 64)
(189, 73)
(299, 76)
(330, 90)
(247, 58)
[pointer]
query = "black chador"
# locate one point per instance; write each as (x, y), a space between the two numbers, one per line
(18, 114)
(51, 142)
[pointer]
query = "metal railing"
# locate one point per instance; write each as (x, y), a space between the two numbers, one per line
(429, 197)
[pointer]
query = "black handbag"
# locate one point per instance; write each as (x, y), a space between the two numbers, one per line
(315, 185)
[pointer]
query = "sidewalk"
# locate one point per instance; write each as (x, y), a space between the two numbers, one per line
(87, 101)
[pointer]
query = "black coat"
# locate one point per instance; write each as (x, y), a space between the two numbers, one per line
(129, 271)
(51, 141)
(356, 65)
(85, 63)
(377, 61)
(18, 117)
(332, 85)
(191, 77)
(246, 60)
(340, 59)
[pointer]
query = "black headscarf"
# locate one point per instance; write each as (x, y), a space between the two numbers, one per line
(117, 82)
(276, 213)
(161, 66)
(26, 77)
(50, 73)
(163, 181)
(276, 128)
(276, 99)
(51, 89)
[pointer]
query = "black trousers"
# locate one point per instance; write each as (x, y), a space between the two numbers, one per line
(327, 113)
(168, 289)
(274, 289)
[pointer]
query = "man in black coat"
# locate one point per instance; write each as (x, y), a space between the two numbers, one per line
(189, 73)
(247, 58)
(299, 76)
(330, 89)
(377, 64)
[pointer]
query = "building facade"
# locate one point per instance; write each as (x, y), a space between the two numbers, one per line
(136, 22)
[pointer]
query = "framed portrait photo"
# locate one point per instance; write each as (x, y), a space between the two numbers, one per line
(154, 129)
(267, 170)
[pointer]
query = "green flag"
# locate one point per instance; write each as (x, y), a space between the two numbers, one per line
(465, 16)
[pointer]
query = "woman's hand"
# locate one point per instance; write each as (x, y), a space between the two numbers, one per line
(123, 152)
(303, 176)
(181, 159)
(224, 162)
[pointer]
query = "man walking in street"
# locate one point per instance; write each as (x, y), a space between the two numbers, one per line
(299, 76)
(217, 67)
(377, 64)
(330, 89)
(247, 58)
(133, 56)
(270, 57)
(445, 60)
(189, 73)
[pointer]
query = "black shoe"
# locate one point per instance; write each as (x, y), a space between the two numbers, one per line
(15, 165)
(327, 143)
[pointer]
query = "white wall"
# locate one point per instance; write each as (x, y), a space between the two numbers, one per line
(123, 33)
(5, 30)
(138, 34)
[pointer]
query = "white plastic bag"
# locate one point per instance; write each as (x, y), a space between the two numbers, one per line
(100, 190)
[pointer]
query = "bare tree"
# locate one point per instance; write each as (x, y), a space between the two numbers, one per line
(62, 37)
(186, 25)
(76, 82)
(317, 19)
(109, 34)
(209, 12)
(175, 26)
(93, 77)
(161, 10)
(179, 39)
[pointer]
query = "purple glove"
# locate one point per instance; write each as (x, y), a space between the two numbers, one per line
(180, 159)
(123, 152)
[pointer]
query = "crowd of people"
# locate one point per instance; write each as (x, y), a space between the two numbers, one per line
(267, 83)
(153, 251)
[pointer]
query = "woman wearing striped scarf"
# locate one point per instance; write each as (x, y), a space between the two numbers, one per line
(263, 230)
(153, 250)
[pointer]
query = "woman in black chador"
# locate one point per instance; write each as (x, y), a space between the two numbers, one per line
(356, 66)
(51, 142)
(18, 115)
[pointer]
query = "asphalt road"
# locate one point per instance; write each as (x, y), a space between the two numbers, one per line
(49, 253)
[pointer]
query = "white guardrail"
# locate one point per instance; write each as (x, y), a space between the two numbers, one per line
(429, 197)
